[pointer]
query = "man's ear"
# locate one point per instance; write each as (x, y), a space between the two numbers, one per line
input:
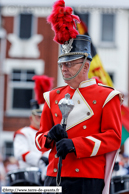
(86, 66)
(30, 118)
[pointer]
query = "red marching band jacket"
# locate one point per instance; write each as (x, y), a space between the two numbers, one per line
(94, 125)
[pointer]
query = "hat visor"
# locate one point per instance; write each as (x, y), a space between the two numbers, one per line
(67, 58)
(37, 112)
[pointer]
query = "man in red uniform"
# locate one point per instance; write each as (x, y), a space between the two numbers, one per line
(93, 132)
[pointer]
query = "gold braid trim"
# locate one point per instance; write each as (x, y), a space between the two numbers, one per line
(74, 53)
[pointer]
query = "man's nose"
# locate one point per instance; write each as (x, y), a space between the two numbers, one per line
(64, 67)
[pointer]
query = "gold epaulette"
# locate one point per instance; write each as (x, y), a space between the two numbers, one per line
(58, 87)
(106, 86)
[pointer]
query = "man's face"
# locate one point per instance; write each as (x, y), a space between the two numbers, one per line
(69, 69)
(36, 120)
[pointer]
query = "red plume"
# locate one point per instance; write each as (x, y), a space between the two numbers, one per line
(63, 22)
(42, 84)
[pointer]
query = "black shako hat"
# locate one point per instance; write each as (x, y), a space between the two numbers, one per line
(75, 49)
(35, 109)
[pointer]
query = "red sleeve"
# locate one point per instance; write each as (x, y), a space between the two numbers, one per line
(45, 125)
(108, 139)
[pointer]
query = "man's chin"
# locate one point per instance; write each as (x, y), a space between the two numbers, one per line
(66, 79)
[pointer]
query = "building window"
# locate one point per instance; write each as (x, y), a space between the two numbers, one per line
(108, 21)
(8, 149)
(111, 74)
(18, 95)
(22, 85)
(25, 26)
(84, 17)
(21, 91)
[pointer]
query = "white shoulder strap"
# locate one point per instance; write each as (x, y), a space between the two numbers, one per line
(47, 98)
(110, 96)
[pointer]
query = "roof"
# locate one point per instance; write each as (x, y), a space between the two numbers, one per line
(81, 3)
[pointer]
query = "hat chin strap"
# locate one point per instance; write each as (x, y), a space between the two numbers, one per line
(67, 79)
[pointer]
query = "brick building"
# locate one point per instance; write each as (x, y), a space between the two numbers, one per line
(26, 49)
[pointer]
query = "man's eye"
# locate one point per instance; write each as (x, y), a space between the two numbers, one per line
(68, 64)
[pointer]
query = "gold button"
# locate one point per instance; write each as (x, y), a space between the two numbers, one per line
(56, 156)
(56, 114)
(78, 101)
(58, 91)
(84, 127)
(77, 170)
(56, 101)
(88, 113)
(55, 170)
(94, 102)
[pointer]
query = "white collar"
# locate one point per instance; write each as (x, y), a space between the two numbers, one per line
(87, 83)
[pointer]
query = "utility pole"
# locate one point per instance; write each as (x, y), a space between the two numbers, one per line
(2, 56)
(128, 62)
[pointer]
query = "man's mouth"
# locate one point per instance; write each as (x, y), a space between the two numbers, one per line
(66, 75)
